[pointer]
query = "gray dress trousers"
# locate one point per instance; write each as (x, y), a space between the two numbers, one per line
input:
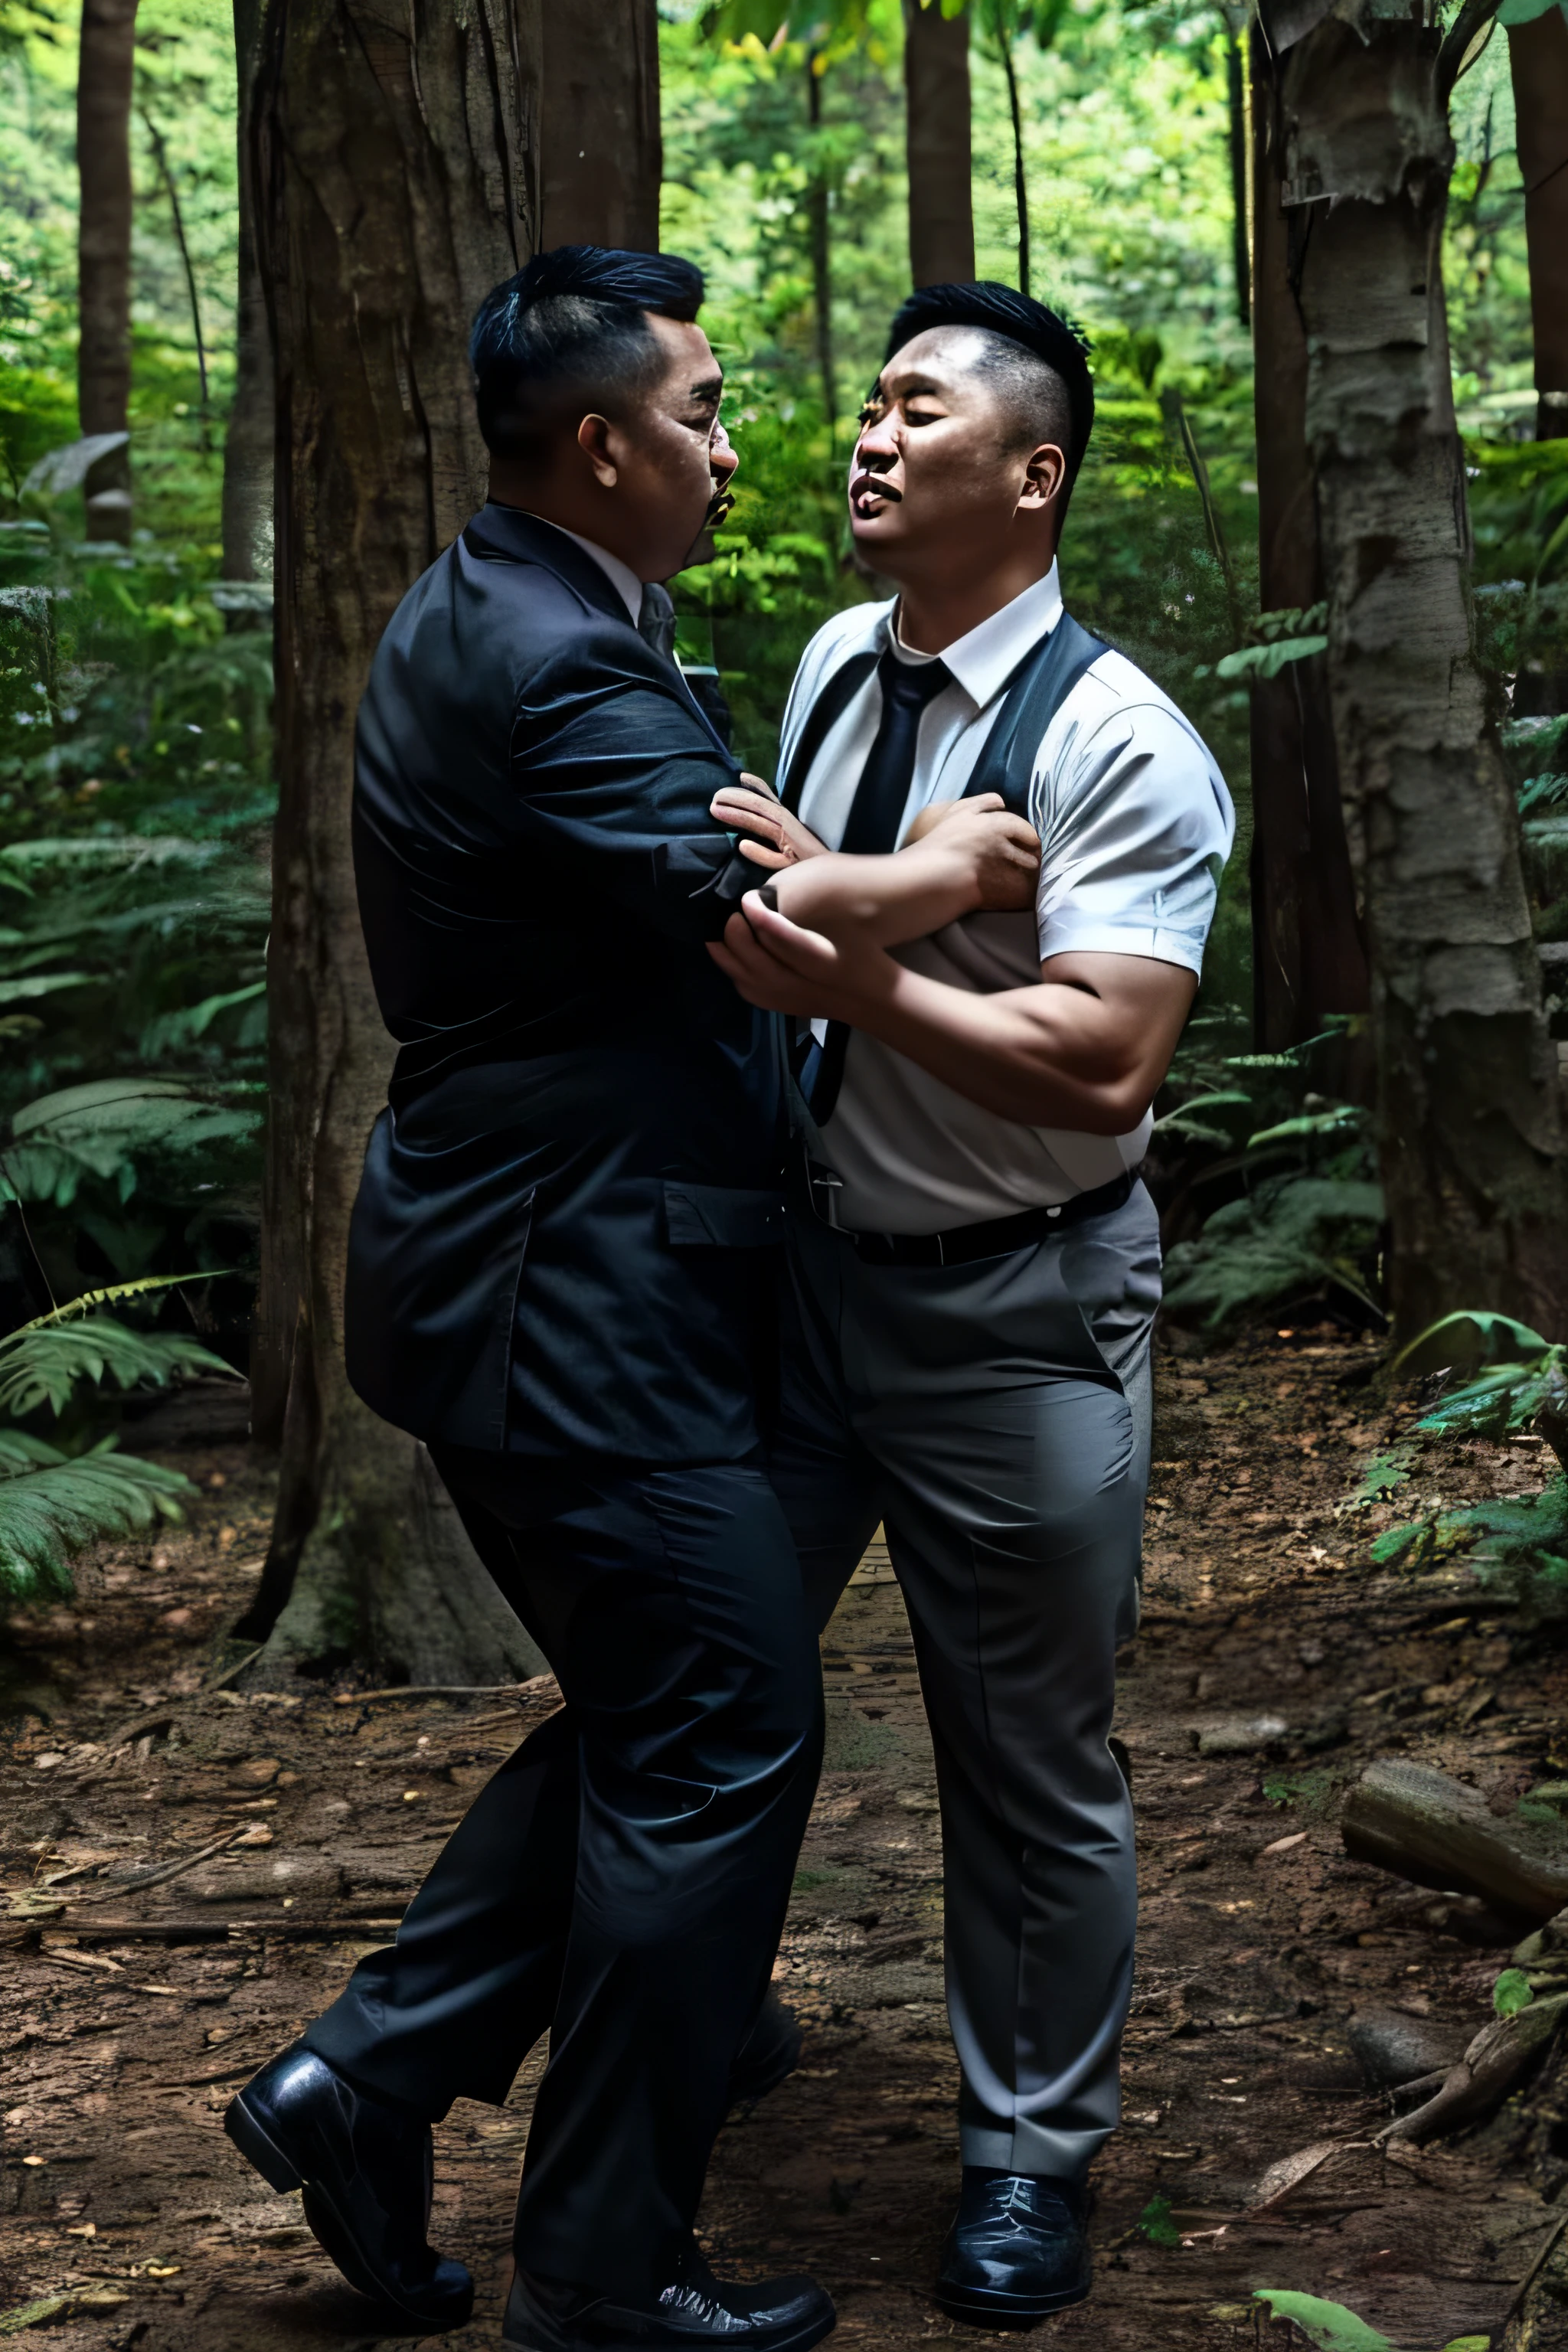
(995, 1416)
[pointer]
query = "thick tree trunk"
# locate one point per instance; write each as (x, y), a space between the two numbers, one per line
(105, 76)
(936, 93)
(1470, 1119)
(248, 448)
(602, 156)
(1307, 957)
(395, 158)
(1538, 54)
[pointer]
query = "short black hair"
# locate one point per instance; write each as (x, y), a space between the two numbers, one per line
(571, 325)
(1041, 358)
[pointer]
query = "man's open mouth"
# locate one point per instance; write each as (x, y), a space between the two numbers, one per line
(868, 491)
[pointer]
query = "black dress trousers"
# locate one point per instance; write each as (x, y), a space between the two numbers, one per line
(668, 1797)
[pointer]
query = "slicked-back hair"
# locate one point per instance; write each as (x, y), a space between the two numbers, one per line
(570, 330)
(1035, 360)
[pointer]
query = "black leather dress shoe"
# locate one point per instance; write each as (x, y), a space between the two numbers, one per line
(365, 2170)
(767, 2057)
(1016, 2251)
(694, 2312)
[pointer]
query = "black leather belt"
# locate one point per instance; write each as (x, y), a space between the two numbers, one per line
(962, 1245)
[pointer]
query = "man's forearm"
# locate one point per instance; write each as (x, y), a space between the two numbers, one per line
(881, 901)
(1044, 1056)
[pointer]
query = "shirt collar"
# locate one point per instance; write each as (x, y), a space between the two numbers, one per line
(985, 659)
(621, 576)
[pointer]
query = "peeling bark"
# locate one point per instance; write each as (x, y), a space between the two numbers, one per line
(1470, 1121)
(602, 156)
(394, 156)
(937, 142)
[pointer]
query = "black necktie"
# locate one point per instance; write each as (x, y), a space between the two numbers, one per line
(656, 621)
(874, 825)
(890, 769)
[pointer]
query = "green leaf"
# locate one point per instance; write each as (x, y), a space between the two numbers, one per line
(39, 1367)
(1343, 1119)
(1512, 1993)
(1327, 2325)
(1495, 1336)
(51, 1504)
(1156, 2224)
(1379, 1477)
(1257, 662)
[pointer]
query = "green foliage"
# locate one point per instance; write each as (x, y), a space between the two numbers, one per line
(1156, 2224)
(1327, 2325)
(1313, 1788)
(1518, 1546)
(52, 1504)
(1293, 1233)
(1511, 1992)
(43, 1363)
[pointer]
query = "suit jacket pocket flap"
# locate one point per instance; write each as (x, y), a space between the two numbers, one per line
(720, 1216)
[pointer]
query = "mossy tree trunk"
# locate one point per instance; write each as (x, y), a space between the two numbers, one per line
(937, 144)
(396, 168)
(1470, 1119)
(105, 79)
(601, 155)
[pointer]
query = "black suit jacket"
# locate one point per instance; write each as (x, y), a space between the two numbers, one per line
(561, 1241)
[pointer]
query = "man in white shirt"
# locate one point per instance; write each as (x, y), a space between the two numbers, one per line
(975, 1264)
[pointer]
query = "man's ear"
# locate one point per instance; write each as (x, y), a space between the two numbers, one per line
(1043, 476)
(593, 440)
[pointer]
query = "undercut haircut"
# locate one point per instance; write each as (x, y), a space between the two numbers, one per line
(569, 334)
(1034, 359)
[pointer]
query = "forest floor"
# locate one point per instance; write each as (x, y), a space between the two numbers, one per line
(1273, 1661)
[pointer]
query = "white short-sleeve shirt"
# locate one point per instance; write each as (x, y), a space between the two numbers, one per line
(1135, 824)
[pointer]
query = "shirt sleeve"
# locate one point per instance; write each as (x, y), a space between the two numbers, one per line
(615, 767)
(1135, 839)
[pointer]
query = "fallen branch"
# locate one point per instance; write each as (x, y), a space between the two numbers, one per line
(168, 1870)
(529, 1689)
(1500, 2054)
(99, 1930)
(1425, 1827)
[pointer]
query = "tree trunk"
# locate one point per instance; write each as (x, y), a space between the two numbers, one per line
(394, 164)
(248, 445)
(1538, 54)
(936, 91)
(104, 81)
(1470, 1122)
(1235, 125)
(1020, 177)
(1307, 957)
(821, 249)
(602, 156)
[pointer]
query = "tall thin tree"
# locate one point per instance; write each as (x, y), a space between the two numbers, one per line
(105, 76)
(1475, 1160)
(601, 152)
(249, 442)
(396, 160)
(1538, 55)
(937, 140)
(1309, 960)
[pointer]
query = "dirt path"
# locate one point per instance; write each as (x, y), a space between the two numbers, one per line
(1260, 1941)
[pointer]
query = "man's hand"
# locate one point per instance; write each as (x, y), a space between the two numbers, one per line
(778, 965)
(751, 806)
(996, 855)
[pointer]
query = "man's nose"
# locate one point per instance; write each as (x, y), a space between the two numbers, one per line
(722, 456)
(878, 448)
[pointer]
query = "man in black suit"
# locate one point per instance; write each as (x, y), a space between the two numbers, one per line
(561, 1276)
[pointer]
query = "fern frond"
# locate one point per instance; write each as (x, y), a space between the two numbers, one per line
(52, 1504)
(42, 1366)
(114, 1294)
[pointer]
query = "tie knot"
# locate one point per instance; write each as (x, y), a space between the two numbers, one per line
(913, 684)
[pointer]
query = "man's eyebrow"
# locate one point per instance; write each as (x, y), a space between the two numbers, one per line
(709, 389)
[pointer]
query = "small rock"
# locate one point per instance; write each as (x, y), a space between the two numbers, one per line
(1391, 2047)
(1235, 1735)
(256, 1772)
